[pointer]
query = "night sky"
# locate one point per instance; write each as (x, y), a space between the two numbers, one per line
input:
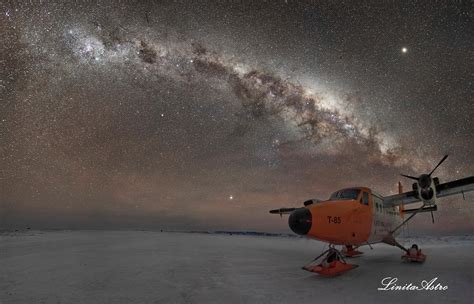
(189, 115)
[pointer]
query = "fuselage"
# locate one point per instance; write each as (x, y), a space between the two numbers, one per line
(351, 216)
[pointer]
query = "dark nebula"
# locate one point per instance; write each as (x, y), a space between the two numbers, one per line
(193, 115)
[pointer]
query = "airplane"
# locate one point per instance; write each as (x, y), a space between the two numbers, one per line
(357, 216)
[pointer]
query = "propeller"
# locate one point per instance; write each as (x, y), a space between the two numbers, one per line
(412, 177)
(426, 175)
(440, 162)
(424, 180)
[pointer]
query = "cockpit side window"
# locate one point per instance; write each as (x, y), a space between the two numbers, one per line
(365, 198)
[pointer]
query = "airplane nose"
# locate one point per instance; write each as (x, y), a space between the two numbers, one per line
(300, 221)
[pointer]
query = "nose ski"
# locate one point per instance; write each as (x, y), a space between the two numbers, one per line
(332, 264)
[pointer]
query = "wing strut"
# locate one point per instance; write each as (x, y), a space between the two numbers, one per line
(409, 218)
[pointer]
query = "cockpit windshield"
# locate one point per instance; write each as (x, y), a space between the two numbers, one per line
(346, 194)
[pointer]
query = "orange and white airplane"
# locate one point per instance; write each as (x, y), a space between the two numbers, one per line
(358, 216)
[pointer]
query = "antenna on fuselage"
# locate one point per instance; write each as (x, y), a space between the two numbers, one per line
(401, 208)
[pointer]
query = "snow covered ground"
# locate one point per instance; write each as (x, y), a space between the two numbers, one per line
(159, 267)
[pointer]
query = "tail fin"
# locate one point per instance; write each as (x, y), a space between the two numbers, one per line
(401, 208)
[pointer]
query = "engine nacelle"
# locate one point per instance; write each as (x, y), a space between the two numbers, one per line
(425, 189)
(425, 186)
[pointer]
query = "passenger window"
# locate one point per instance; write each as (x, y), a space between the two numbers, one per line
(365, 198)
(378, 203)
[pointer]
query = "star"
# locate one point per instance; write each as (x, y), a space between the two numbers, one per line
(293, 110)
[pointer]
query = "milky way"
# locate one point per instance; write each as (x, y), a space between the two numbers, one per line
(312, 115)
(155, 115)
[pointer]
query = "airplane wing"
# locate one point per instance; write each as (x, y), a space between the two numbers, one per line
(442, 190)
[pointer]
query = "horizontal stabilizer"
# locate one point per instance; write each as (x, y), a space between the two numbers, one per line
(283, 210)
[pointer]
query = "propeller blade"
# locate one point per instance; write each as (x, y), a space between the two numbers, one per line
(432, 217)
(441, 161)
(408, 176)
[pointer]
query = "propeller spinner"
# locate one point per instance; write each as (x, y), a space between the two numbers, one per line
(424, 185)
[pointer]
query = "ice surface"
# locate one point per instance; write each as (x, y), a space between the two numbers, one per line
(160, 267)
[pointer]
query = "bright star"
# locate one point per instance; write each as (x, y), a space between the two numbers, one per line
(231, 197)
(404, 50)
